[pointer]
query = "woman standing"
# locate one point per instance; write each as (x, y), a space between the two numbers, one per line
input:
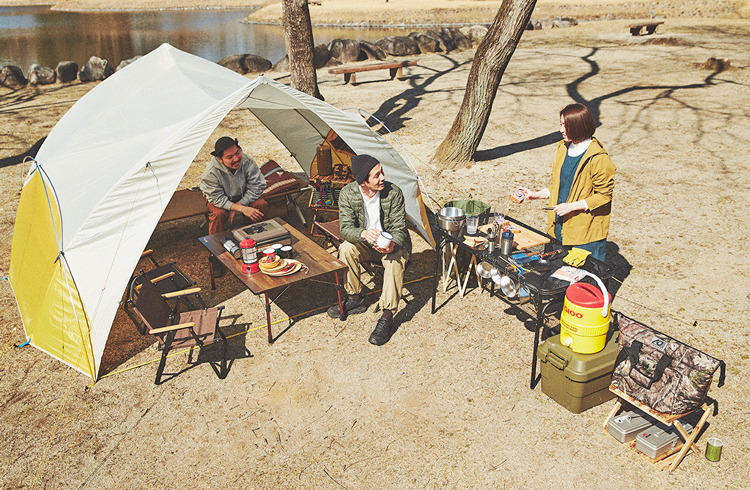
(583, 178)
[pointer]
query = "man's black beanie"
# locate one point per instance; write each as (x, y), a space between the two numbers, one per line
(361, 167)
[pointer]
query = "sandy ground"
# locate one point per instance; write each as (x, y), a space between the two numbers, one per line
(446, 403)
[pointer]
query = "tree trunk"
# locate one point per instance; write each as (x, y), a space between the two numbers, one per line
(490, 61)
(298, 39)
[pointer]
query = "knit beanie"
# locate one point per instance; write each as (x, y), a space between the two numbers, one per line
(361, 167)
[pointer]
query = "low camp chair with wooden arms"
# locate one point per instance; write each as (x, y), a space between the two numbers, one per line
(175, 330)
(169, 278)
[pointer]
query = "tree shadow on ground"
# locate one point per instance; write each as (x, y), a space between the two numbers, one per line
(521, 146)
(666, 92)
(393, 112)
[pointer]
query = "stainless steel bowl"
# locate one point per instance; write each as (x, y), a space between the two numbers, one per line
(485, 270)
(451, 219)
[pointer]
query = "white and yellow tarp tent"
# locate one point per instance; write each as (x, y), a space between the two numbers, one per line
(107, 170)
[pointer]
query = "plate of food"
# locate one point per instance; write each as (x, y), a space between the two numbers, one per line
(285, 267)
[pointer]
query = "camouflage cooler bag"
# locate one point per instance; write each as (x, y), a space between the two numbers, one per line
(661, 372)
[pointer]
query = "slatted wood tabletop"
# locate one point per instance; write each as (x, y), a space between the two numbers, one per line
(318, 261)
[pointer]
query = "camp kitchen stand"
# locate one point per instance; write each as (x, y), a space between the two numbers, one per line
(306, 251)
(546, 292)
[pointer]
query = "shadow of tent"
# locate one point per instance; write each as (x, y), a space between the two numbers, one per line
(15, 160)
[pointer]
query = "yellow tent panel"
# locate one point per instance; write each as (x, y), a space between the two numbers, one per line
(49, 303)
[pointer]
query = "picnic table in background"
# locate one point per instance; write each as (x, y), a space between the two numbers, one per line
(349, 72)
(650, 25)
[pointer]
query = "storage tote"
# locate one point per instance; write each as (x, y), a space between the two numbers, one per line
(577, 381)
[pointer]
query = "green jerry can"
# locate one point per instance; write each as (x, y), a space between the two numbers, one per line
(577, 381)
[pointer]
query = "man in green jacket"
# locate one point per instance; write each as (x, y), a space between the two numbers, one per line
(367, 207)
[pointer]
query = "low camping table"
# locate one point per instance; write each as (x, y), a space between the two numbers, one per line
(545, 291)
(306, 251)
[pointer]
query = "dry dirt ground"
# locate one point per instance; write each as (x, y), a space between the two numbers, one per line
(446, 403)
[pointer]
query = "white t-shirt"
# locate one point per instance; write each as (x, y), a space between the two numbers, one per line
(576, 149)
(372, 211)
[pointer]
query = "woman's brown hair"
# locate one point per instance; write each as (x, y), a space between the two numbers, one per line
(579, 123)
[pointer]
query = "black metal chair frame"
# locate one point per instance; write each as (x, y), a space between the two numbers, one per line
(166, 333)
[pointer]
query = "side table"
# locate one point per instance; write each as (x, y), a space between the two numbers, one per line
(324, 197)
(671, 458)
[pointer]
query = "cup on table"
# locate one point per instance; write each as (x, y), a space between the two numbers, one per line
(384, 240)
(276, 247)
(471, 224)
(269, 252)
(286, 252)
(498, 218)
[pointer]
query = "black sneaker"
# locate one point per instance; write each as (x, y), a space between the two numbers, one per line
(351, 307)
(383, 331)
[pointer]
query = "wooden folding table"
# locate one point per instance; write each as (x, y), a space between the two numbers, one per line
(318, 261)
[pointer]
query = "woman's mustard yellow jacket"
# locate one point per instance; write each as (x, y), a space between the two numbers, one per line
(594, 181)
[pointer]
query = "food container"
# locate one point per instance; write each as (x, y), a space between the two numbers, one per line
(577, 381)
(451, 220)
(625, 426)
(659, 440)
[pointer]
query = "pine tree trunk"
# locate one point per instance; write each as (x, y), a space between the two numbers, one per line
(490, 60)
(298, 39)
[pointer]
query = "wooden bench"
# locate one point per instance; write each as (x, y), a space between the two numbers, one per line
(651, 25)
(349, 71)
(187, 203)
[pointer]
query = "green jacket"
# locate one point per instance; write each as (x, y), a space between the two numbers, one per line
(594, 181)
(392, 214)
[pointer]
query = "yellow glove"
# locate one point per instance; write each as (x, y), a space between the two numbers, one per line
(576, 257)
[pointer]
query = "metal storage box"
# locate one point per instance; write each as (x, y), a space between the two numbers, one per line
(659, 439)
(625, 426)
(577, 381)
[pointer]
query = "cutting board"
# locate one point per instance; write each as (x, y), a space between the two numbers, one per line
(523, 238)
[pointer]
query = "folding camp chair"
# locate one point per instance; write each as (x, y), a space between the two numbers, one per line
(153, 316)
(169, 278)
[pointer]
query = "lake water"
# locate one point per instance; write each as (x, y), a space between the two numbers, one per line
(43, 36)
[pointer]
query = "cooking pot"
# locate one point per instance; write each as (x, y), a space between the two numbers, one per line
(451, 220)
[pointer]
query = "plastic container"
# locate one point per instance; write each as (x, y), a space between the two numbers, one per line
(659, 440)
(582, 326)
(626, 426)
(577, 381)
(469, 206)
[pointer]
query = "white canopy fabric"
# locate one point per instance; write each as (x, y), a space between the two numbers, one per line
(109, 167)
